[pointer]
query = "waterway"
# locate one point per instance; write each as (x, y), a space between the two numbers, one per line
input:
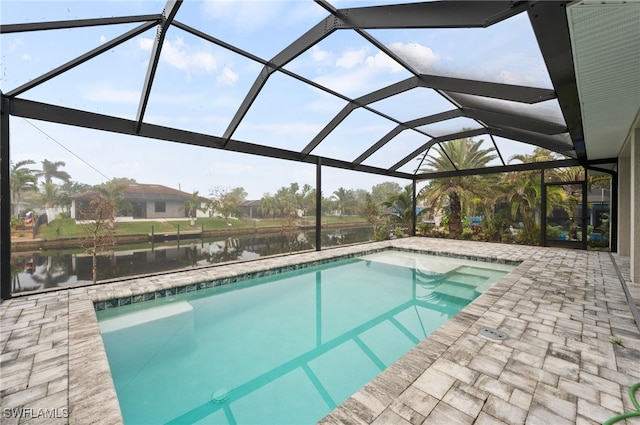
(58, 268)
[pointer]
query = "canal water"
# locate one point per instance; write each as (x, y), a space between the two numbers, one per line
(55, 268)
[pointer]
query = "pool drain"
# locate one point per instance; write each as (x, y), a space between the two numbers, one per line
(219, 396)
(493, 333)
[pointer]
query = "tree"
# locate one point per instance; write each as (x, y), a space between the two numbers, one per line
(113, 190)
(400, 208)
(99, 230)
(345, 200)
(382, 191)
(49, 190)
(455, 191)
(22, 179)
(524, 195)
(359, 202)
(49, 194)
(268, 206)
(226, 200)
(70, 188)
(50, 171)
(372, 212)
(192, 206)
(306, 199)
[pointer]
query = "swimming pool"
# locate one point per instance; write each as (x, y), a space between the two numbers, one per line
(286, 348)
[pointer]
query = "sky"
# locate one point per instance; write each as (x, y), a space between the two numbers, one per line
(199, 86)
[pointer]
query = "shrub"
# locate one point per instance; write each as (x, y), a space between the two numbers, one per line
(425, 228)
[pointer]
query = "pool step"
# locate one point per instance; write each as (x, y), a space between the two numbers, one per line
(463, 286)
(145, 316)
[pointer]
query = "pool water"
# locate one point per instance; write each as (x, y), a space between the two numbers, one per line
(283, 349)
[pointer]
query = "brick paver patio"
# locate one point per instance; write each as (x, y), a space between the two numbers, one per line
(572, 352)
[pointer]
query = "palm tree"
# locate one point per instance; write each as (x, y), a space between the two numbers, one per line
(400, 207)
(192, 206)
(456, 191)
(268, 207)
(21, 179)
(50, 170)
(49, 194)
(524, 195)
(344, 199)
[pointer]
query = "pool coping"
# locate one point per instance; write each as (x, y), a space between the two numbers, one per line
(68, 341)
(272, 271)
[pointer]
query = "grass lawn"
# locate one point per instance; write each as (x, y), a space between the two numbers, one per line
(67, 227)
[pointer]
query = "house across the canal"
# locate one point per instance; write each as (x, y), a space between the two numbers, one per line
(141, 201)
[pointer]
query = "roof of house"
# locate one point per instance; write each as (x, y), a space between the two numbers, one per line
(251, 203)
(145, 192)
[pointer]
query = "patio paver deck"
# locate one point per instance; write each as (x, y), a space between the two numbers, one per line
(563, 311)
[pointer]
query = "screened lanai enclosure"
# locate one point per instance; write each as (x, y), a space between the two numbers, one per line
(328, 93)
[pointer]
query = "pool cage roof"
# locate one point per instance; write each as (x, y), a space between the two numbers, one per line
(410, 77)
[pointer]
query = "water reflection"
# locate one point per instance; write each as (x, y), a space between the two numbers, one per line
(41, 270)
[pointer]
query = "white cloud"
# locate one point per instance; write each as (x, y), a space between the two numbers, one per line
(319, 55)
(145, 43)
(182, 56)
(351, 58)
(421, 57)
(26, 57)
(103, 39)
(228, 77)
(14, 44)
(383, 61)
(355, 72)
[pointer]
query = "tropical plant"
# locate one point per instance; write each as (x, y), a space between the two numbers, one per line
(192, 206)
(22, 179)
(268, 206)
(372, 212)
(344, 199)
(524, 195)
(49, 193)
(50, 171)
(381, 191)
(113, 190)
(226, 200)
(400, 208)
(455, 192)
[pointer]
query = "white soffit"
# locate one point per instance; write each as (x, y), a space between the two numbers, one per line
(605, 37)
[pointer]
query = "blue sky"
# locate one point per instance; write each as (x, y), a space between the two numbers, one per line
(199, 86)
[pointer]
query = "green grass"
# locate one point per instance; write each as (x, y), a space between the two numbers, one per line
(67, 227)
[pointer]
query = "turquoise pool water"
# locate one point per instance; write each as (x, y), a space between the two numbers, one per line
(283, 349)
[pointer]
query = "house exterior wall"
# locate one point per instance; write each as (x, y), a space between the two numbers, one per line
(629, 202)
(634, 212)
(624, 205)
(172, 210)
